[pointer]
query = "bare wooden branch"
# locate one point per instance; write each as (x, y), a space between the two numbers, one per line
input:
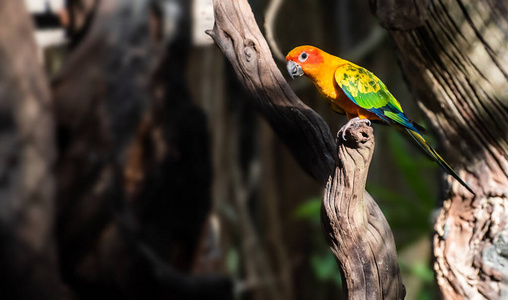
(364, 245)
(302, 129)
(356, 229)
(456, 66)
(270, 20)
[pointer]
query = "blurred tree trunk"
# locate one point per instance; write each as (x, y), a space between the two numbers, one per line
(27, 156)
(454, 55)
(134, 169)
(98, 107)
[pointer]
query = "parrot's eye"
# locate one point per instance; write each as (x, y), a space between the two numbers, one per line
(303, 56)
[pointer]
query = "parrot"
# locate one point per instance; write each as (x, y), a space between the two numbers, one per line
(356, 92)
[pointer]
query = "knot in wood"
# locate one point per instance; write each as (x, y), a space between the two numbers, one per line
(359, 135)
(501, 243)
(496, 263)
(249, 50)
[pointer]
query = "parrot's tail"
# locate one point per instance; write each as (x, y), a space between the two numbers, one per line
(435, 156)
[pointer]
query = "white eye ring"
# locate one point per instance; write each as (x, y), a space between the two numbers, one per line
(303, 56)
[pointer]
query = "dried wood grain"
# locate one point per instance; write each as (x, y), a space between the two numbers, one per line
(456, 64)
(356, 229)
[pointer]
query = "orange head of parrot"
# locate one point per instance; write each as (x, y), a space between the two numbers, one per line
(304, 60)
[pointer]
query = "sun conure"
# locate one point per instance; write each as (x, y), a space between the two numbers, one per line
(356, 92)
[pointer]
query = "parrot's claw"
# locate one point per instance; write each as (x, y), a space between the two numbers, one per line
(351, 122)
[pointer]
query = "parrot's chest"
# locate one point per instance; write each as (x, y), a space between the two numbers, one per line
(332, 92)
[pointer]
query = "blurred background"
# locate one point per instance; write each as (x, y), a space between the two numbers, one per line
(168, 184)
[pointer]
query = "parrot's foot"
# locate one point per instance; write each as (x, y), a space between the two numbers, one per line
(351, 122)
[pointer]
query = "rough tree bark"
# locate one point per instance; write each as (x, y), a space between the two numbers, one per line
(455, 58)
(309, 139)
(355, 227)
(27, 157)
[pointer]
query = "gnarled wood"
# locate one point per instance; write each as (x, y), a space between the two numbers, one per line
(370, 267)
(302, 129)
(457, 65)
(356, 229)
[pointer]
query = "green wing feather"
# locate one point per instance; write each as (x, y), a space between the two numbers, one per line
(367, 90)
(370, 93)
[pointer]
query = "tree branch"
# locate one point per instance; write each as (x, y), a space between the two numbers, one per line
(270, 19)
(355, 227)
(365, 240)
(304, 132)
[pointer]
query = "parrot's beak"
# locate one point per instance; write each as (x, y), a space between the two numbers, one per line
(294, 69)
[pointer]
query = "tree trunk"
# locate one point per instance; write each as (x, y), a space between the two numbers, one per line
(27, 157)
(134, 171)
(455, 58)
